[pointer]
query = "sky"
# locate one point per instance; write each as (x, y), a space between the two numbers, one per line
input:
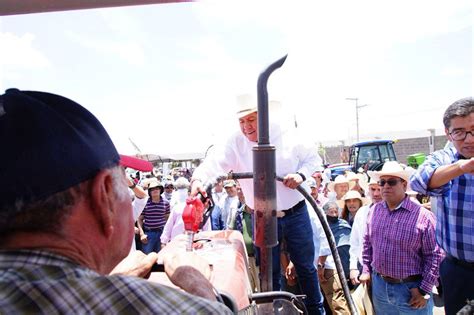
(167, 76)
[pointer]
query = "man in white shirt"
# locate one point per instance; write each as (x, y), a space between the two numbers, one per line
(231, 204)
(295, 161)
(218, 193)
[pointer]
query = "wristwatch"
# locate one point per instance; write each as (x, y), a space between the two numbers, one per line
(425, 294)
(320, 265)
(302, 176)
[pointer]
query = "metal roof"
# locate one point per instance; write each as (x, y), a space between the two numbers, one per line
(12, 7)
(372, 142)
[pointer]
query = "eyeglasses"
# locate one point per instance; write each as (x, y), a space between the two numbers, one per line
(460, 135)
(391, 182)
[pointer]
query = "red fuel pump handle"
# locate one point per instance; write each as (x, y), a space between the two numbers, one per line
(192, 213)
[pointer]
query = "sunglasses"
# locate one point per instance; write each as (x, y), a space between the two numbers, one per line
(390, 182)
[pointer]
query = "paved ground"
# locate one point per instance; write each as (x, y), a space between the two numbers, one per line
(438, 311)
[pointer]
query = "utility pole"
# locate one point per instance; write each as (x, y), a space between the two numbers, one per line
(432, 140)
(357, 112)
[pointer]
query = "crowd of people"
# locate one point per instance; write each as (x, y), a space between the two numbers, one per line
(73, 229)
(393, 250)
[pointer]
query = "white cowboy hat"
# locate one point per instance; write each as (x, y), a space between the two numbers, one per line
(352, 194)
(181, 183)
(359, 177)
(353, 176)
(246, 105)
(154, 184)
(391, 168)
(340, 179)
(229, 183)
(147, 181)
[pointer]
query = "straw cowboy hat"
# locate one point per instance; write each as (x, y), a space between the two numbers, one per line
(359, 177)
(391, 168)
(229, 183)
(353, 176)
(340, 179)
(247, 104)
(147, 181)
(154, 184)
(352, 194)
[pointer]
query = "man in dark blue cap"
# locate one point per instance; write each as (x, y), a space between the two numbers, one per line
(66, 219)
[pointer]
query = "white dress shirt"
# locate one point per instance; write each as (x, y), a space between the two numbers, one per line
(321, 245)
(293, 155)
(357, 236)
(219, 197)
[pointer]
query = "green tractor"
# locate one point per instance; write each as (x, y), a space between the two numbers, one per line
(415, 160)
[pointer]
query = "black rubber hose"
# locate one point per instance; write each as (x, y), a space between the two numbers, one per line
(324, 223)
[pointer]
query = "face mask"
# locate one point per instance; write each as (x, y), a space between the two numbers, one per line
(332, 219)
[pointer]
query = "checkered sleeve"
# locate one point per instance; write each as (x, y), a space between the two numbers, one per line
(419, 181)
(432, 254)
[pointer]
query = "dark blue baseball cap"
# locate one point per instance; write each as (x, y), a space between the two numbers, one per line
(49, 144)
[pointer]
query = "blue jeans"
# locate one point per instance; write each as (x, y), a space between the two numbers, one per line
(154, 241)
(458, 285)
(392, 299)
(298, 234)
(216, 219)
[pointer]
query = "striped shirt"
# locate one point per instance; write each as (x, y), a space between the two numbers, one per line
(38, 282)
(454, 204)
(156, 213)
(401, 243)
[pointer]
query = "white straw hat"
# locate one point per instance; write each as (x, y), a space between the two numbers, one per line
(340, 179)
(246, 104)
(391, 168)
(352, 194)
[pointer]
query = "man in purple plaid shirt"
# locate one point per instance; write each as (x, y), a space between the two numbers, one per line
(400, 256)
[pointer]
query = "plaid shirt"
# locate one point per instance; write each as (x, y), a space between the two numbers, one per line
(454, 205)
(401, 243)
(38, 282)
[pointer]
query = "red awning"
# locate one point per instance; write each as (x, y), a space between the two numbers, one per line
(135, 163)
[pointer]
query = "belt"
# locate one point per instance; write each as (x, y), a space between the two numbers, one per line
(412, 278)
(295, 209)
(462, 263)
(153, 230)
